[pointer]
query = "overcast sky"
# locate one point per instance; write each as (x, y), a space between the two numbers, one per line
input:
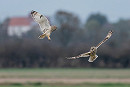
(113, 9)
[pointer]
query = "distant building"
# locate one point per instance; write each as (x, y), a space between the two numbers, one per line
(19, 25)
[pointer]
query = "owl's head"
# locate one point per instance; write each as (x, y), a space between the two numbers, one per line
(53, 28)
(93, 49)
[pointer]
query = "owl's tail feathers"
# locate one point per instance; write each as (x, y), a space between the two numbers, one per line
(42, 36)
(92, 58)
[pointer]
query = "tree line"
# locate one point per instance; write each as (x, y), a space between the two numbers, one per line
(70, 39)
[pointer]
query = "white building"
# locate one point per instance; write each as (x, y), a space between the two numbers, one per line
(18, 25)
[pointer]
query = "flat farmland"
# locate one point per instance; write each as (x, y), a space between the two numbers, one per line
(64, 77)
(65, 73)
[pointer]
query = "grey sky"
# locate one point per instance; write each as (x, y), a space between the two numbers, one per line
(113, 9)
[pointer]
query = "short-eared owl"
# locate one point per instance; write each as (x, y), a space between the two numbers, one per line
(44, 24)
(93, 50)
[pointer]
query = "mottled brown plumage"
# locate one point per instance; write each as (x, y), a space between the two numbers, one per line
(93, 50)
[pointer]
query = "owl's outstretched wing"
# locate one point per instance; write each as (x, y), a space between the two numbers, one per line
(81, 55)
(105, 39)
(41, 20)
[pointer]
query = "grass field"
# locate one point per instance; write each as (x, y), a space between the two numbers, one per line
(64, 73)
(65, 77)
(80, 85)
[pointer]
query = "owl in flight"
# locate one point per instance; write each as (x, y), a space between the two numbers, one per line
(44, 24)
(93, 50)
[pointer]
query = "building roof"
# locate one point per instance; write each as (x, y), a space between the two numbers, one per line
(19, 21)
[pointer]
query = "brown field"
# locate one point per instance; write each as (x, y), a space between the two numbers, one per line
(63, 80)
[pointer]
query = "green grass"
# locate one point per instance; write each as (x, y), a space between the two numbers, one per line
(79, 85)
(64, 73)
